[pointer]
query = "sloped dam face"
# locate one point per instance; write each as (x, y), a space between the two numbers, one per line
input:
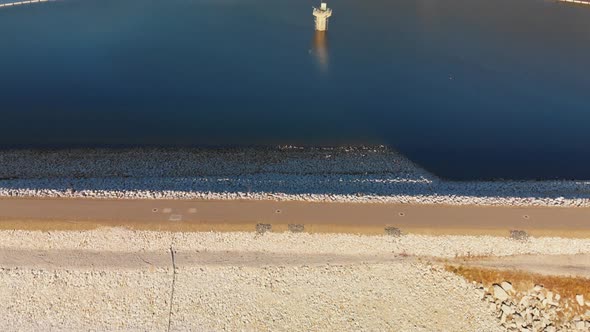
(467, 89)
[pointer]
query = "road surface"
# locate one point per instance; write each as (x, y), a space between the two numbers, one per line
(243, 215)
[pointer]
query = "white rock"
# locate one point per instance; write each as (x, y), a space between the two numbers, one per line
(537, 325)
(503, 318)
(506, 309)
(506, 286)
(550, 297)
(525, 301)
(580, 299)
(500, 293)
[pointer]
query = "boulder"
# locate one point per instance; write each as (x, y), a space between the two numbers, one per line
(525, 301)
(580, 299)
(549, 296)
(506, 309)
(506, 286)
(537, 325)
(550, 329)
(503, 318)
(500, 293)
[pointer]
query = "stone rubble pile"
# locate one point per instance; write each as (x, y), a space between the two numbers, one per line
(346, 174)
(538, 309)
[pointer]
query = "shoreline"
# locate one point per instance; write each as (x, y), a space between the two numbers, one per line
(341, 174)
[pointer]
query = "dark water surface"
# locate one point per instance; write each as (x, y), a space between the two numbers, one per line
(467, 88)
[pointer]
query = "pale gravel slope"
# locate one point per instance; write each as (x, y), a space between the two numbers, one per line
(371, 297)
(244, 281)
(399, 296)
(75, 300)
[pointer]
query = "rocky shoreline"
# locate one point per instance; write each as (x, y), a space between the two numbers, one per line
(345, 174)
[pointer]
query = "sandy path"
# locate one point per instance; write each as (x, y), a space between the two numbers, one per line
(564, 265)
(121, 260)
(206, 215)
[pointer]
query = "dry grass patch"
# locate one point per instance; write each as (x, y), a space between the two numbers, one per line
(523, 282)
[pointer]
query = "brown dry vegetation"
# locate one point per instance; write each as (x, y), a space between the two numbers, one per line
(566, 287)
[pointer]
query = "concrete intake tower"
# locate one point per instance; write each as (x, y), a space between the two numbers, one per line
(321, 16)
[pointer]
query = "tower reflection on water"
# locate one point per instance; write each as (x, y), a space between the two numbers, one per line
(320, 50)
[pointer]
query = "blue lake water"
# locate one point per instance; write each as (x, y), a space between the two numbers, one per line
(469, 89)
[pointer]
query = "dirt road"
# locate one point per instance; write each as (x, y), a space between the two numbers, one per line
(243, 215)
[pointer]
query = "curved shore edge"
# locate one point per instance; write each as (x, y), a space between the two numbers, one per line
(342, 174)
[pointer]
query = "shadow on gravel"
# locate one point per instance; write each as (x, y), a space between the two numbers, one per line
(360, 171)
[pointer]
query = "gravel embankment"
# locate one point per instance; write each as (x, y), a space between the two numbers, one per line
(361, 174)
(117, 279)
(324, 297)
(233, 281)
(370, 297)
(68, 299)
